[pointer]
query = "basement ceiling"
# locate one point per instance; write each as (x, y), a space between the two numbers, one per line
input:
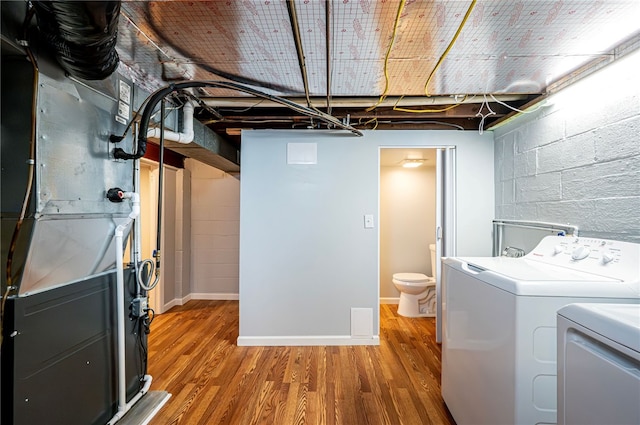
(372, 63)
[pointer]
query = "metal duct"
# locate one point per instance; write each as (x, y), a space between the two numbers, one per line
(68, 230)
(83, 35)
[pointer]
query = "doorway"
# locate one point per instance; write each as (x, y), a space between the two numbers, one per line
(167, 292)
(416, 209)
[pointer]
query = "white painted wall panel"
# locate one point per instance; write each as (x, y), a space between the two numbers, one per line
(305, 257)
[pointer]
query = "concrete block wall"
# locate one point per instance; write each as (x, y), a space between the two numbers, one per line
(577, 160)
(215, 232)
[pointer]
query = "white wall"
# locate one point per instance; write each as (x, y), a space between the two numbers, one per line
(305, 257)
(407, 223)
(578, 160)
(215, 218)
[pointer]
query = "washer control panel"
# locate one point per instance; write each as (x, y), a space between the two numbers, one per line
(616, 259)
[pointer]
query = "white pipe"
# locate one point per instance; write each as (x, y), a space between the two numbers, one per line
(145, 389)
(137, 235)
(123, 406)
(186, 136)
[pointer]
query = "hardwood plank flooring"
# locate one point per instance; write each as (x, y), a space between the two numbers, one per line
(194, 356)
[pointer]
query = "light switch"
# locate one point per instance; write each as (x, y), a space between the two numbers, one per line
(368, 221)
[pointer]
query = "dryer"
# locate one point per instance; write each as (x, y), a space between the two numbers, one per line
(499, 345)
(599, 364)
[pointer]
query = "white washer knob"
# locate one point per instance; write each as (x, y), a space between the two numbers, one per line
(580, 253)
(607, 257)
(558, 249)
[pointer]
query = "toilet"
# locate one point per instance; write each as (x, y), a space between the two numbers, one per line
(417, 291)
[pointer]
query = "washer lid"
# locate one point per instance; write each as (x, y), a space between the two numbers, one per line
(617, 322)
(521, 276)
(412, 277)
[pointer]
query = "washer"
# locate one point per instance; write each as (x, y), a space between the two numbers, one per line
(499, 345)
(599, 364)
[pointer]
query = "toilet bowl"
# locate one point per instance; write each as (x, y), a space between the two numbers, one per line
(417, 291)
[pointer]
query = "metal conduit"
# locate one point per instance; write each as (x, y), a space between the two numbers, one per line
(293, 18)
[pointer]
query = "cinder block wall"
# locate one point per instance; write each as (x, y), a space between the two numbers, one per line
(577, 160)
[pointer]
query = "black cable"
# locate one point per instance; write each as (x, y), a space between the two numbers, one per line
(141, 329)
(153, 316)
(201, 63)
(159, 94)
(157, 254)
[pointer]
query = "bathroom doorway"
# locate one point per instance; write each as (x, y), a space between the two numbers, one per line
(416, 209)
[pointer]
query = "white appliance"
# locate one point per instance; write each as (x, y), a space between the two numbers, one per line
(499, 323)
(599, 364)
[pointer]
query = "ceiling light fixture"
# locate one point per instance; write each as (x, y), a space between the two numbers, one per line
(412, 163)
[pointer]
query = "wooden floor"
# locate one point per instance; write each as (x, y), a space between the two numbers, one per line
(193, 355)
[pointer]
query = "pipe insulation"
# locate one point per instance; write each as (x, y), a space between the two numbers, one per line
(82, 34)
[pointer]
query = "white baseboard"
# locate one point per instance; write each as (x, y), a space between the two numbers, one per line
(214, 296)
(275, 341)
(390, 300)
(168, 306)
(198, 296)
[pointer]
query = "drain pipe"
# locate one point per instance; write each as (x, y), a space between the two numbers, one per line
(123, 406)
(186, 136)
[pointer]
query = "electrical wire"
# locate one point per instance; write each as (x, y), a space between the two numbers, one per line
(372, 120)
(31, 167)
(156, 28)
(243, 110)
(446, 124)
(451, 43)
(482, 116)
(540, 105)
(386, 57)
(142, 346)
(422, 111)
(435, 68)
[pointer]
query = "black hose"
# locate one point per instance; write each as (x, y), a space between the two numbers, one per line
(152, 101)
(202, 63)
(158, 95)
(83, 35)
(160, 188)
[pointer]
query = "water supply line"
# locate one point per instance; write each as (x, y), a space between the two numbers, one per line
(123, 406)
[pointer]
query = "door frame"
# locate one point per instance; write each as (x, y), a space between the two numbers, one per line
(445, 230)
